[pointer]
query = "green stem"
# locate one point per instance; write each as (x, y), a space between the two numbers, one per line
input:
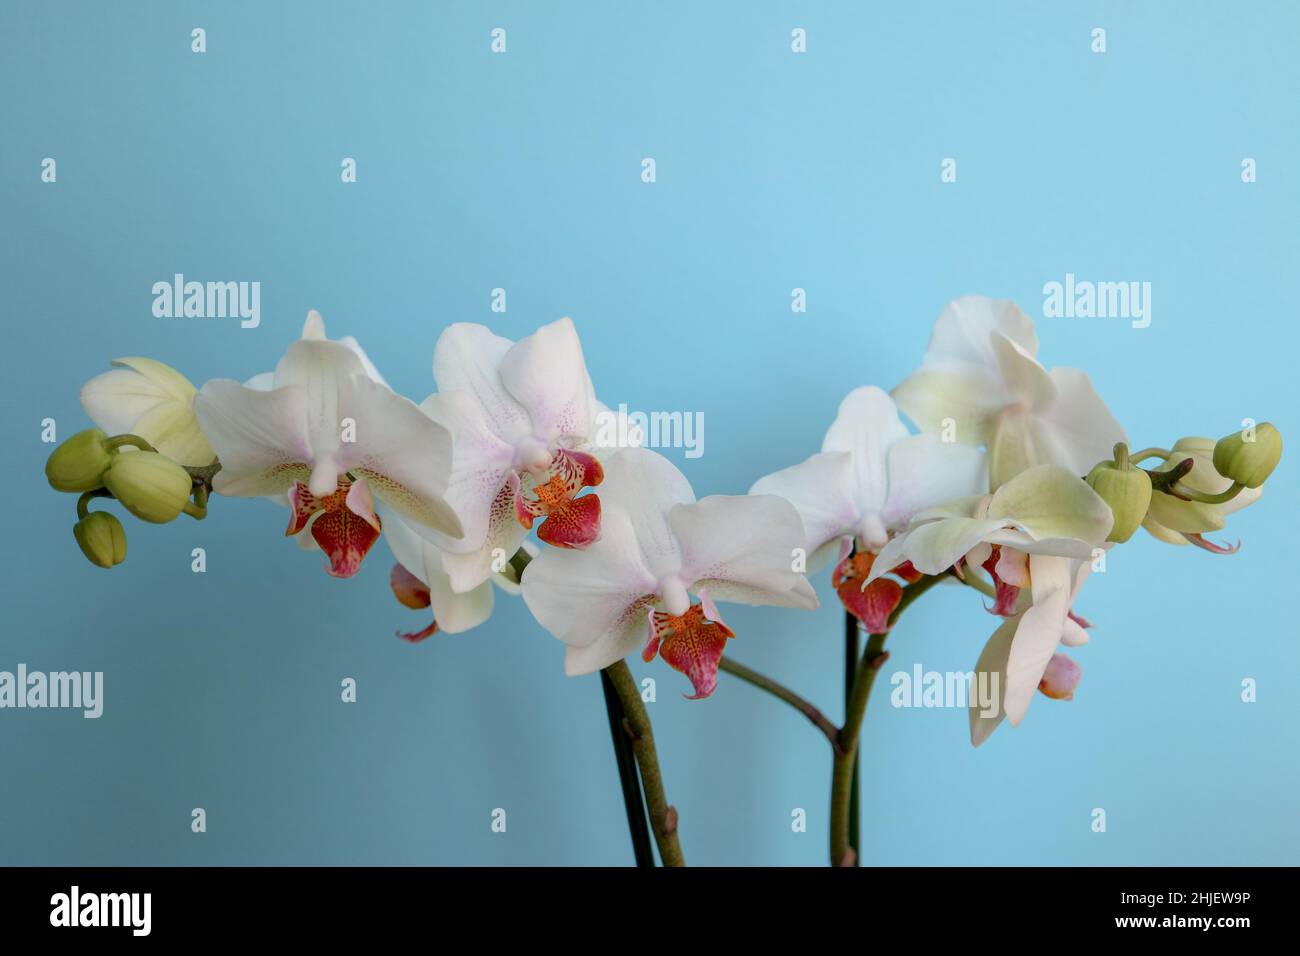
(83, 503)
(842, 773)
(117, 441)
(1137, 457)
(781, 692)
(663, 817)
(1187, 494)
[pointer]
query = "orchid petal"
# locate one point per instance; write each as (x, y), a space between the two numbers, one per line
(992, 661)
(1039, 632)
(260, 437)
(468, 358)
(821, 491)
(741, 547)
(403, 453)
(866, 426)
(1049, 501)
(594, 600)
(453, 612)
(925, 471)
(546, 373)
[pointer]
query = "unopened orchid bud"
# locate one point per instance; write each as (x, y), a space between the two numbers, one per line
(150, 486)
(1249, 462)
(80, 462)
(1061, 677)
(101, 538)
(1126, 488)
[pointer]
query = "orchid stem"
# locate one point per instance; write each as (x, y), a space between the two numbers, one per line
(117, 441)
(842, 851)
(852, 643)
(1137, 457)
(626, 760)
(1187, 494)
(781, 692)
(663, 817)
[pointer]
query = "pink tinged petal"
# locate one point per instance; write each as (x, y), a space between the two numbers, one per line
(414, 637)
(1004, 603)
(1061, 677)
(407, 588)
(547, 374)
(1211, 546)
(260, 437)
(710, 609)
(689, 643)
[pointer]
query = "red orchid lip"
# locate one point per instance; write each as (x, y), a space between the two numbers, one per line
(343, 523)
(690, 643)
(568, 521)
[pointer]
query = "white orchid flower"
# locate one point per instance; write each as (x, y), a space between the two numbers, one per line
(1174, 521)
(658, 545)
(981, 377)
(419, 580)
(140, 396)
(867, 482)
(333, 437)
(1038, 534)
(522, 414)
(1022, 654)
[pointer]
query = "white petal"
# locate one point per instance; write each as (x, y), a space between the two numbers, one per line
(960, 378)
(320, 368)
(645, 486)
(1084, 429)
(547, 375)
(1026, 381)
(962, 332)
(1038, 633)
(260, 437)
(867, 424)
(454, 612)
(1051, 502)
(925, 471)
(934, 546)
(403, 453)
(468, 358)
(821, 490)
(595, 598)
(992, 661)
(741, 548)
(481, 461)
(147, 398)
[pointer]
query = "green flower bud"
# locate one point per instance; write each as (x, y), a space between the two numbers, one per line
(80, 462)
(101, 538)
(1249, 463)
(1126, 488)
(151, 487)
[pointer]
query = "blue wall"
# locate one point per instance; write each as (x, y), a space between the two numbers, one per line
(522, 170)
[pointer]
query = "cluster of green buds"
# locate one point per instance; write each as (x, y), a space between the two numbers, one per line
(1194, 485)
(149, 485)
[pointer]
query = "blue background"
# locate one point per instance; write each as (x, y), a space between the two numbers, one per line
(522, 170)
